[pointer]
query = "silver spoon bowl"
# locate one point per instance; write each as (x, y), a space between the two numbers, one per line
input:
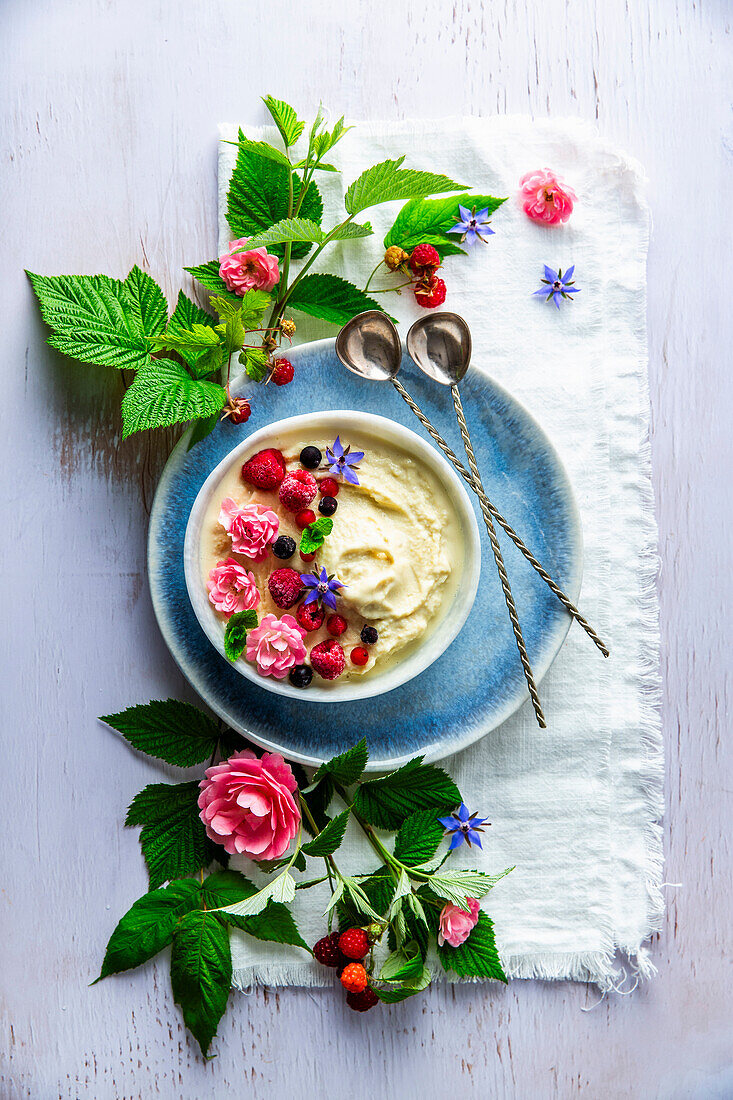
(441, 346)
(370, 346)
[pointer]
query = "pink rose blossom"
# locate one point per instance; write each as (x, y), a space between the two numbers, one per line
(232, 588)
(545, 198)
(243, 271)
(456, 924)
(247, 804)
(276, 645)
(251, 528)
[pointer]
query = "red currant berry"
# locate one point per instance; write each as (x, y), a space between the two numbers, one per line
(307, 557)
(329, 487)
(305, 518)
(359, 656)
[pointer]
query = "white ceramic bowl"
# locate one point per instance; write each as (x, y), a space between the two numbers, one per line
(442, 632)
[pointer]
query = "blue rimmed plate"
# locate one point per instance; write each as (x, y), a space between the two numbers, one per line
(478, 682)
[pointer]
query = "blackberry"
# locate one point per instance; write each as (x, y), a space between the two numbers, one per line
(310, 458)
(327, 950)
(327, 506)
(284, 547)
(369, 635)
(300, 676)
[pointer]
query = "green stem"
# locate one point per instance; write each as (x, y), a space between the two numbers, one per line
(376, 269)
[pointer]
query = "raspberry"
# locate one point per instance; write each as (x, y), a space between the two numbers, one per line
(265, 470)
(237, 409)
(310, 616)
(286, 587)
(329, 487)
(354, 943)
(327, 950)
(424, 260)
(362, 1002)
(328, 659)
(354, 978)
(336, 625)
(430, 292)
(297, 490)
(305, 518)
(359, 656)
(395, 257)
(282, 372)
(369, 635)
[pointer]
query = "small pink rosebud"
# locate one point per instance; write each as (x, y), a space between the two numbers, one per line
(545, 198)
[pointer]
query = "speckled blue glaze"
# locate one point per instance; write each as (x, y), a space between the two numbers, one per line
(478, 682)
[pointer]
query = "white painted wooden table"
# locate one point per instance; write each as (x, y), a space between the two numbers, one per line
(108, 154)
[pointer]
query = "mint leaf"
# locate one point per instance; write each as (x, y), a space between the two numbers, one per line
(173, 839)
(329, 840)
(314, 535)
(387, 181)
(290, 229)
(201, 973)
(147, 301)
(209, 277)
(427, 221)
(255, 362)
(163, 394)
(285, 119)
(457, 886)
(275, 925)
(258, 198)
(235, 633)
(147, 927)
(346, 768)
(331, 298)
(477, 957)
(173, 731)
(96, 319)
(419, 837)
(387, 802)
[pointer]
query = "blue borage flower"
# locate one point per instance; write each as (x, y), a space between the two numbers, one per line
(557, 285)
(464, 827)
(472, 226)
(342, 462)
(322, 588)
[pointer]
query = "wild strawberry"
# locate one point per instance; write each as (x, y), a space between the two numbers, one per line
(265, 470)
(430, 292)
(359, 655)
(327, 950)
(310, 616)
(282, 372)
(297, 490)
(286, 586)
(424, 260)
(327, 658)
(237, 409)
(362, 1002)
(305, 518)
(329, 487)
(354, 943)
(354, 978)
(336, 625)
(308, 557)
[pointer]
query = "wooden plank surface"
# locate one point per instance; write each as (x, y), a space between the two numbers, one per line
(108, 153)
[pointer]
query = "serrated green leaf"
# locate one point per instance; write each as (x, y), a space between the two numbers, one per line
(409, 989)
(427, 221)
(274, 925)
(405, 965)
(388, 181)
(322, 142)
(351, 231)
(173, 839)
(318, 800)
(285, 119)
(335, 898)
(200, 346)
(169, 730)
(147, 927)
(457, 886)
(329, 840)
(147, 301)
(201, 973)
(281, 889)
(225, 888)
(289, 230)
(201, 429)
(402, 890)
(477, 957)
(379, 888)
(258, 198)
(98, 320)
(418, 838)
(314, 535)
(262, 149)
(209, 277)
(330, 298)
(347, 767)
(249, 309)
(387, 802)
(186, 314)
(255, 362)
(235, 633)
(360, 900)
(163, 394)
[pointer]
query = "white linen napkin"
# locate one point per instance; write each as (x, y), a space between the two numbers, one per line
(575, 807)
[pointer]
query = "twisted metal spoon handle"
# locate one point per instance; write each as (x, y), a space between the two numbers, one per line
(516, 539)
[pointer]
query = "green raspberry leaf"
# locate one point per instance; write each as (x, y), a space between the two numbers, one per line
(285, 118)
(201, 973)
(148, 926)
(330, 298)
(427, 221)
(458, 886)
(290, 230)
(235, 633)
(348, 767)
(164, 394)
(274, 925)
(255, 363)
(477, 957)
(329, 840)
(419, 838)
(387, 802)
(149, 307)
(225, 888)
(209, 277)
(262, 149)
(173, 839)
(173, 731)
(388, 181)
